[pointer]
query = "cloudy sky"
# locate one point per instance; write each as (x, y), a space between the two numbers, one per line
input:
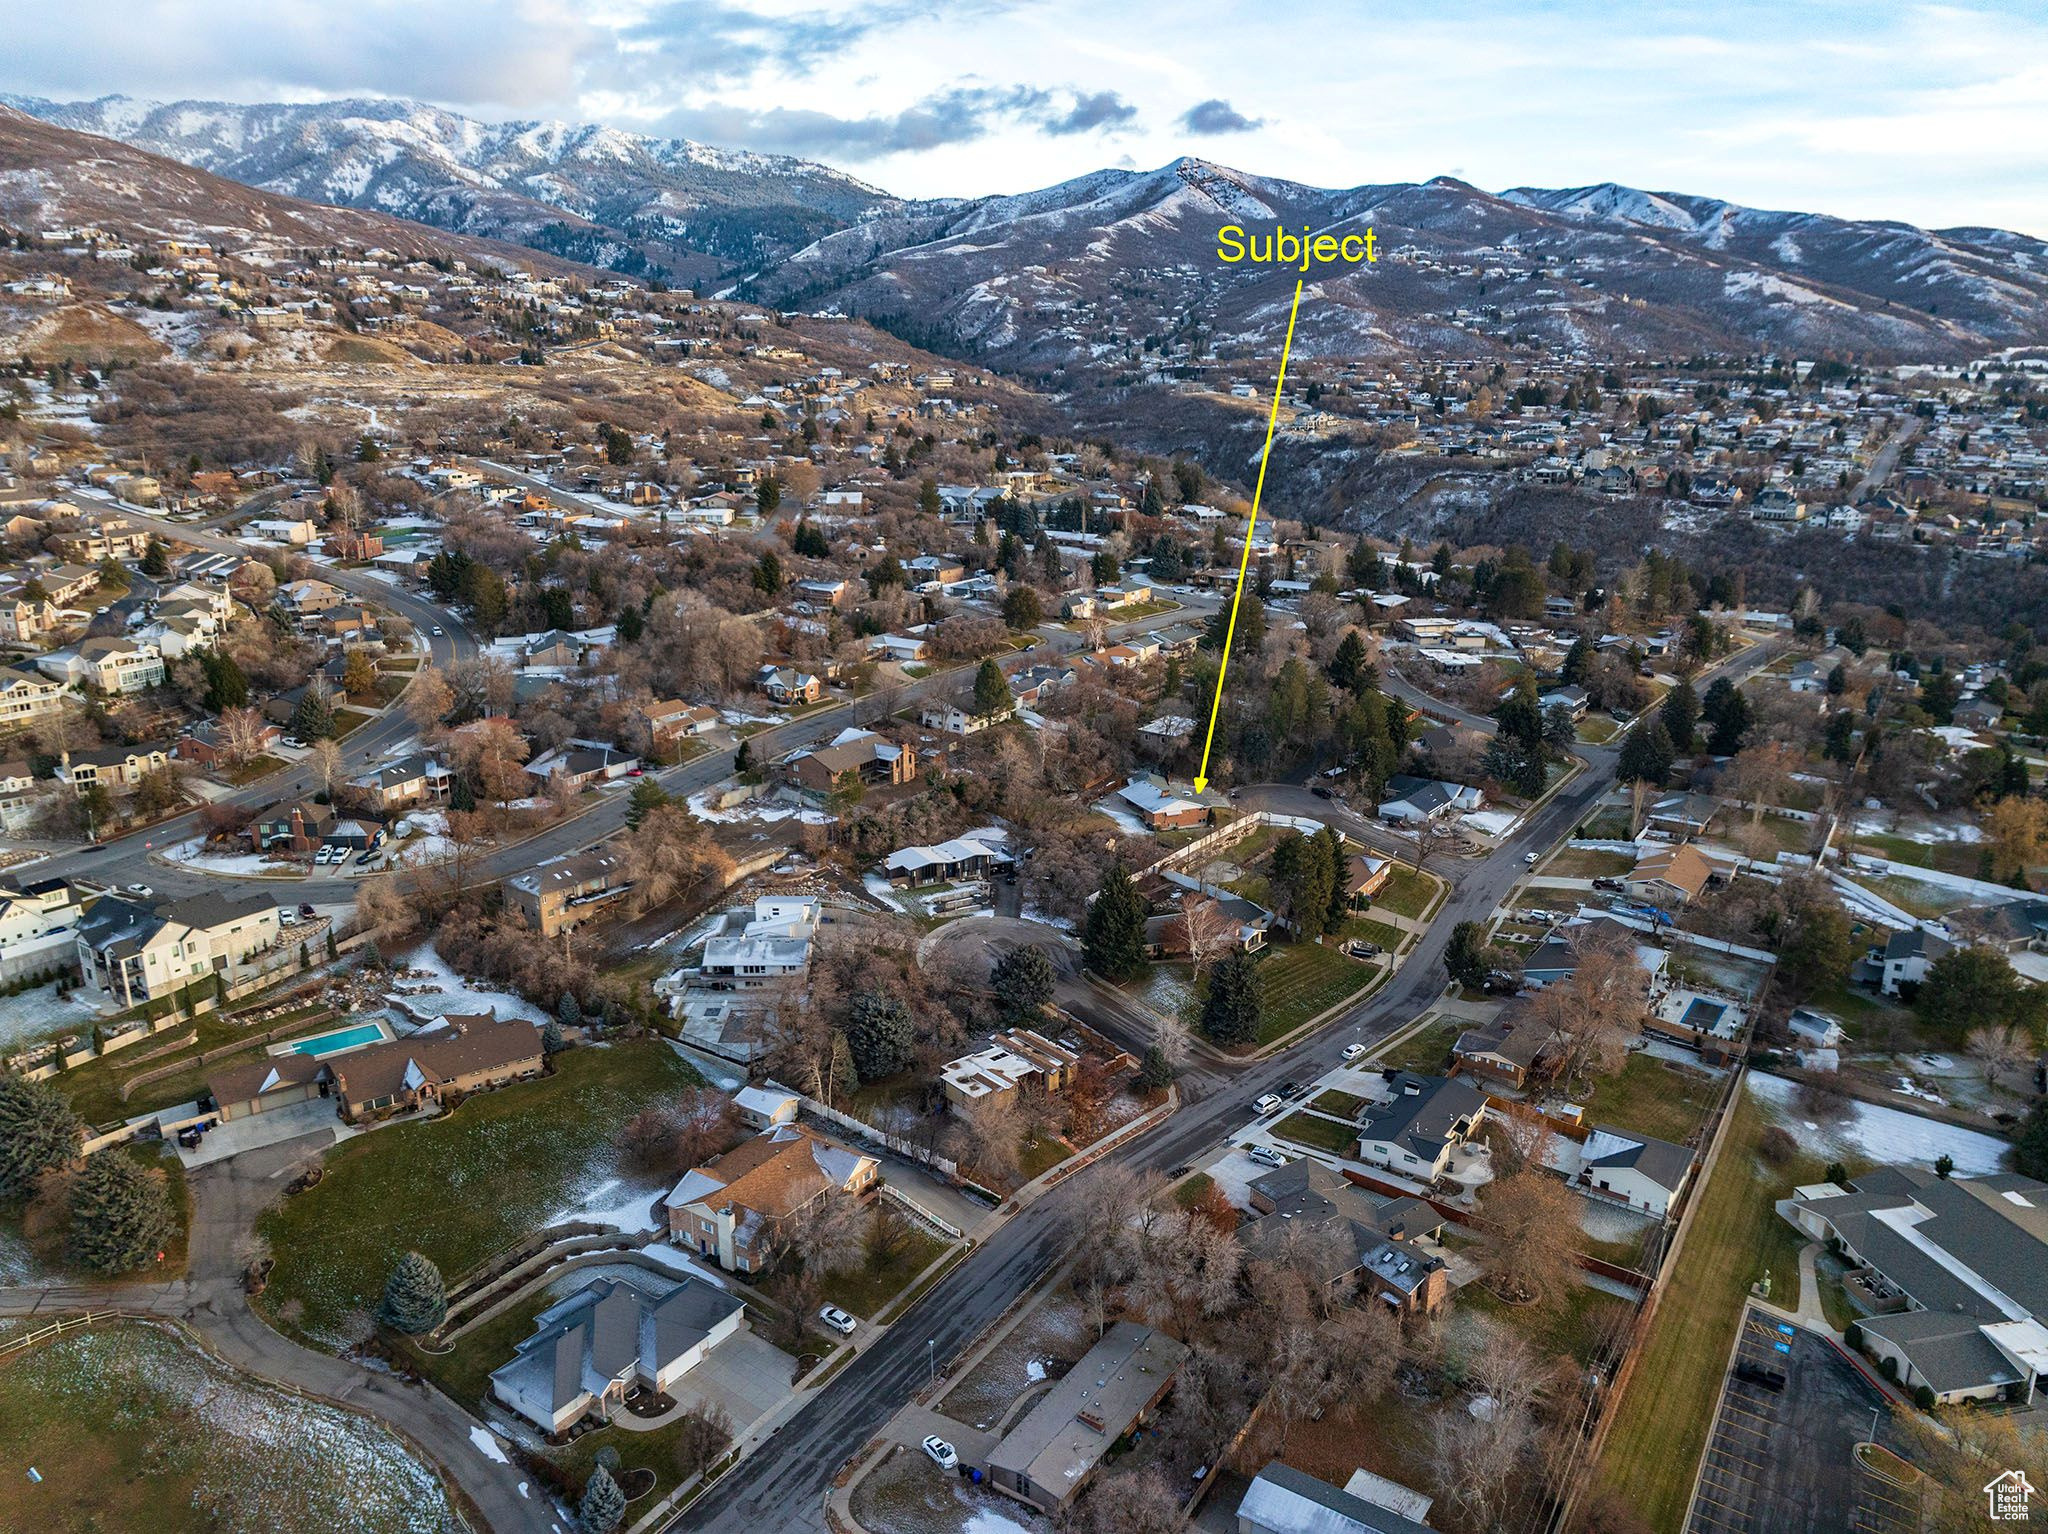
(1934, 113)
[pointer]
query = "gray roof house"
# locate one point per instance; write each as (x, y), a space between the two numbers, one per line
(1415, 1129)
(1969, 1257)
(592, 1349)
(1283, 1500)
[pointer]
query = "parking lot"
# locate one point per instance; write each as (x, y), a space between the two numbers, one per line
(1782, 1455)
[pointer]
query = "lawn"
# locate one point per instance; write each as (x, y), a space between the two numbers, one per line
(1302, 980)
(1408, 893)
(94, 1088)
(1587, 863)
(1653, 1097)
(1597, 729)
(1965, 858)
(1576, 1327)
(464, 1371)
(1427, 1050)
(1191, 1192)
(1368, 930)
(349, 720)
(458, 1188)
(1653, 1450)
(866, 1289)
(1343, 1104)
(1319, 1133)
(131, 1427)
(252, 769)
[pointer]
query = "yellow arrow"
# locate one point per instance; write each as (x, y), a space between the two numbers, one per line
(1243, 564)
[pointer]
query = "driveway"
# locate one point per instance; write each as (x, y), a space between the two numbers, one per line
(746, 1377)
(307, 1121)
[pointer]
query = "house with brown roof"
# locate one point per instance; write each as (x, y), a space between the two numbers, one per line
(1670, 875)
(731, 1208)
(463, 1054)
(869, 757)
(672, 720)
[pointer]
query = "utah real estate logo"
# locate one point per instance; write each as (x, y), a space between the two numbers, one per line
(2009, 1497)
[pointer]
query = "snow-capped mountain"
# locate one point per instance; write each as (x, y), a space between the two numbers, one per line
(591, 193)
(1104, 268)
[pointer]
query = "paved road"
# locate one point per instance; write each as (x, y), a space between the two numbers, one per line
(226, 1199)
(783, 1484)
(1887, 458)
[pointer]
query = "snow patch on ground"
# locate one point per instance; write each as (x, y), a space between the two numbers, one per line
(1890, 1135)
(487, 1446)
(614, 1202)
(33, 1014)
(438, 989)
(193, 854)
(680, 1262)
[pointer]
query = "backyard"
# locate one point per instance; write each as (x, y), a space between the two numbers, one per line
(1654, 1096)
(1302, 980)
(459, 1188)
(132, 1427)
(1661, 1424)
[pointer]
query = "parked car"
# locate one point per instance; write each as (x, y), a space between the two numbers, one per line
(1266, 1155)
(191, 1135)
(942, 1453)
(294, 742)
(1267, 1103)
(287, 917)
(838, 1320)
(1322, 791)
(1291, 1090)
(366, 858)
(437, 631)
(141, 889)
(1353, 1052)
(307, 910)
(1531, 858)
(1613, 886)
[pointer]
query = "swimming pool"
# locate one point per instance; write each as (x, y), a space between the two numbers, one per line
(344, 1038)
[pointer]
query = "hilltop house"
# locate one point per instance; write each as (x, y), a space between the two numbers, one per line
(136, 952)
(469, 1053)
(731, 1208)
(560, 896)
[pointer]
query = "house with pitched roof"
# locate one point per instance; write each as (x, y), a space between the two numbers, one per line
(1414, 1130)
(460, 1055)
(592, 1349)
(731, 1208)
(135, 951)
(1383, 1248)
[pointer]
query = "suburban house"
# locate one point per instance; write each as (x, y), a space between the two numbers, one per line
(1683, 815)
(1964, 1264)
(38, 928)
(1670, 876)
(1387, 1248)
(591, 1349)
(1416, 801)
(1207, 910)
(1415, 1129)
(771, 945)
(24, 695)
(1016, 1060)
(204, 743)
(1365, 875)
(577, 764)
(136, 952)
(786, 685)
(869, 757)
(463, 1054)
(299, 826)
(1164, 806)
(732, 1207)
(1646, 1174)
(963, 858)
(952, 719)
(414, 779)
(560, 896)
(1034, 684)
(113, 768)
(1503, 1051)
(1284, 1500)
(670, 721)
(1047, 1457)
(1905, 959)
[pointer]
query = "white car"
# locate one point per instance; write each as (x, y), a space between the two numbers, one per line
(1266, 1155)
(942, 1453)
(1267, 1103)
(1352, 1052)
(437, 631)
(141, 889)
(294, 742)
(1531, 857)
(838, 1320)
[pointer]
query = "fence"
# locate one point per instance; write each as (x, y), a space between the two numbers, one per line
(920, 1214)
(1228, 835)
(57, 1328)
(866, 1131)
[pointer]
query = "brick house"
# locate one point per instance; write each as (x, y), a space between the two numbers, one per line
(731, 1208)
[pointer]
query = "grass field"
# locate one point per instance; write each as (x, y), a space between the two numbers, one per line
(1653, 1450)
(1576, 1327)
(1653, 1097)
(1343, 1104)
(131, 1427)
(866, 1289)
(1408, 893)
(459, 1188)
(1963, 858)
(1321, 1133)
(1428, 1050)
(1587, 863)
(1301, 980)
(94, 1088)
(1364, 927)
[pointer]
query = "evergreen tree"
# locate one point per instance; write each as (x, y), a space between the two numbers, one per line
(1251, 626)
(1022, 609)
(647, 797)
(38, 1131)
(569, 1010)
(991, 691)
(631, 624)
(1465, 956)
(810, 542)
(1841, 737)
(1023, 982)
(1235, 1001)
(1578, 662)
(743, 759)
(1680, 715)
(155, 563)
(1337, 907)
(928, 497)
(121, 1215)
(1349, 667)
(333, 948)
(880, 1035)
(313, 719)
(2030, 1142)
(552, 1041)
(767, 494)
(1647, 756)
(1727, 715)
(603, 1507)
(226, 685)
(1113, 936)
(415, 1299)
(1155, 1074)
(768, 573)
